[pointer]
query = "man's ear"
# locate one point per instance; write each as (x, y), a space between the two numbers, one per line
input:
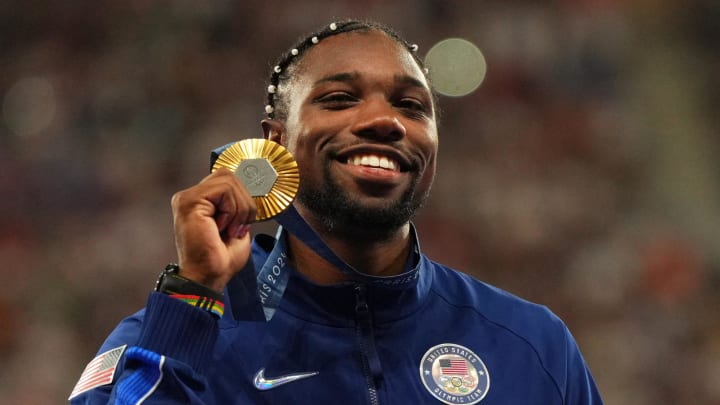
(274, 131)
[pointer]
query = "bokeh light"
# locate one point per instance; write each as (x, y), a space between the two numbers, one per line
(29, 106)
(456, 67)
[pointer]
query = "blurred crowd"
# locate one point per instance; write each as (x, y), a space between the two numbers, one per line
(583, 174)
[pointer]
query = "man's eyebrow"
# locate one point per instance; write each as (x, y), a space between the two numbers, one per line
(338, 77)
(410, 81)
(351, 76)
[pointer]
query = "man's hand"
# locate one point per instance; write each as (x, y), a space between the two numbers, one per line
(211, 221)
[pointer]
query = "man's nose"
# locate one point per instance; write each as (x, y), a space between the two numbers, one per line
(377, 119)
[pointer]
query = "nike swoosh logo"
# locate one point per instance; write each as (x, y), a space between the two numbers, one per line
(264, 384)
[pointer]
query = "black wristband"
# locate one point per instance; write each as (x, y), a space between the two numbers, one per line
(170, 282)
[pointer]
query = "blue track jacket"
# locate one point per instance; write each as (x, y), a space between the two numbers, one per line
(443, 337)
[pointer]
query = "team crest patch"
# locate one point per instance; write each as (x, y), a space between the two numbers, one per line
(454, 374)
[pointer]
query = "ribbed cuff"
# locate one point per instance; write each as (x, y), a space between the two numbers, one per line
(178, 330)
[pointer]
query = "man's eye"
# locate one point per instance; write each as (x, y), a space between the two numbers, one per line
(337, 100)
(412, 105)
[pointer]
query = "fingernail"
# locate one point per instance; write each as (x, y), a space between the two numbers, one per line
(222, 221)
(242, 231)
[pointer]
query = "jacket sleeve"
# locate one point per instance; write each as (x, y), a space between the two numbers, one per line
(168, 350)
(580, 388)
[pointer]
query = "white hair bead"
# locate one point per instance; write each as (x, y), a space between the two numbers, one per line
(314, 40)
(333, 27)
(414, 47)
(272, 89)
(269, 109)
(277, 69)
(294, 52)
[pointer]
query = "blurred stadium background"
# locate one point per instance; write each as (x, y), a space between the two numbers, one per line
(583, 174)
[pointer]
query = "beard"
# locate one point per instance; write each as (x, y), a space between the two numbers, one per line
(347, 217)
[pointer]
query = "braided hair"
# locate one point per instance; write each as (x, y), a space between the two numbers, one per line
(276, 104)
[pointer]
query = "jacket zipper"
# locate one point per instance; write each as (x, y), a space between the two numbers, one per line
(370, 360)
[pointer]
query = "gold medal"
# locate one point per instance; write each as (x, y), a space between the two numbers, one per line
(268, 171)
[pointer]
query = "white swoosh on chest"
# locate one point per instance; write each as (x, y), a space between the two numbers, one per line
(264, 384)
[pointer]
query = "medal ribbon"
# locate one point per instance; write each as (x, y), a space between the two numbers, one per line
(274, 274)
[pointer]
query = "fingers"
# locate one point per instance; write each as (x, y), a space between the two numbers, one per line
(221, 196)
(235, 209)
(211, 221)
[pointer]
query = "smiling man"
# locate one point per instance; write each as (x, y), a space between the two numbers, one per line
(365, 139)
(383, 324)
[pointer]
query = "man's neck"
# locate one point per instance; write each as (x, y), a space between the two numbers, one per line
(385, 257)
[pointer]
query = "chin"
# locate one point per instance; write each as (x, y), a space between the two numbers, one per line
(341, 214)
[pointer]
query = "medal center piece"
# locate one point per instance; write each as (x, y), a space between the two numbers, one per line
(258, 175)
(267, 170)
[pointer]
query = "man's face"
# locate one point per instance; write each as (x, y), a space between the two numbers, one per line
(361, 125)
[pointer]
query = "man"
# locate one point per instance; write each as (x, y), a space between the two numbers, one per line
(382, 324)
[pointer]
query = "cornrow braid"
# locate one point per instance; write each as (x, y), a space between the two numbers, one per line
(282, 72)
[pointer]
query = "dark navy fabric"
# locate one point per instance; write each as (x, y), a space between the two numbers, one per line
(364, 354)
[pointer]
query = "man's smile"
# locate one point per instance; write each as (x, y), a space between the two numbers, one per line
(372, 160)
(374, 165)
(381, 158)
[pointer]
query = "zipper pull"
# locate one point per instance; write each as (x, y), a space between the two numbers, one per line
(361, 306)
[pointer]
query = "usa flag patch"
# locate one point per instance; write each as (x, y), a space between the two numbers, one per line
(100, 371)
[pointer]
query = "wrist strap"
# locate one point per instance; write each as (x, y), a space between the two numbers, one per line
(216, 308)
(195, 294)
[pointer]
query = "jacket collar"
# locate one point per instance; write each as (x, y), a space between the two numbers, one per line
(388, 298)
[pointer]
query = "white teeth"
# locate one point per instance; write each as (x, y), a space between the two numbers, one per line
(386, 163)
(373, 161)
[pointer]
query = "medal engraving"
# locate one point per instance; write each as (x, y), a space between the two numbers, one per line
(268, 171)
(258, 175)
